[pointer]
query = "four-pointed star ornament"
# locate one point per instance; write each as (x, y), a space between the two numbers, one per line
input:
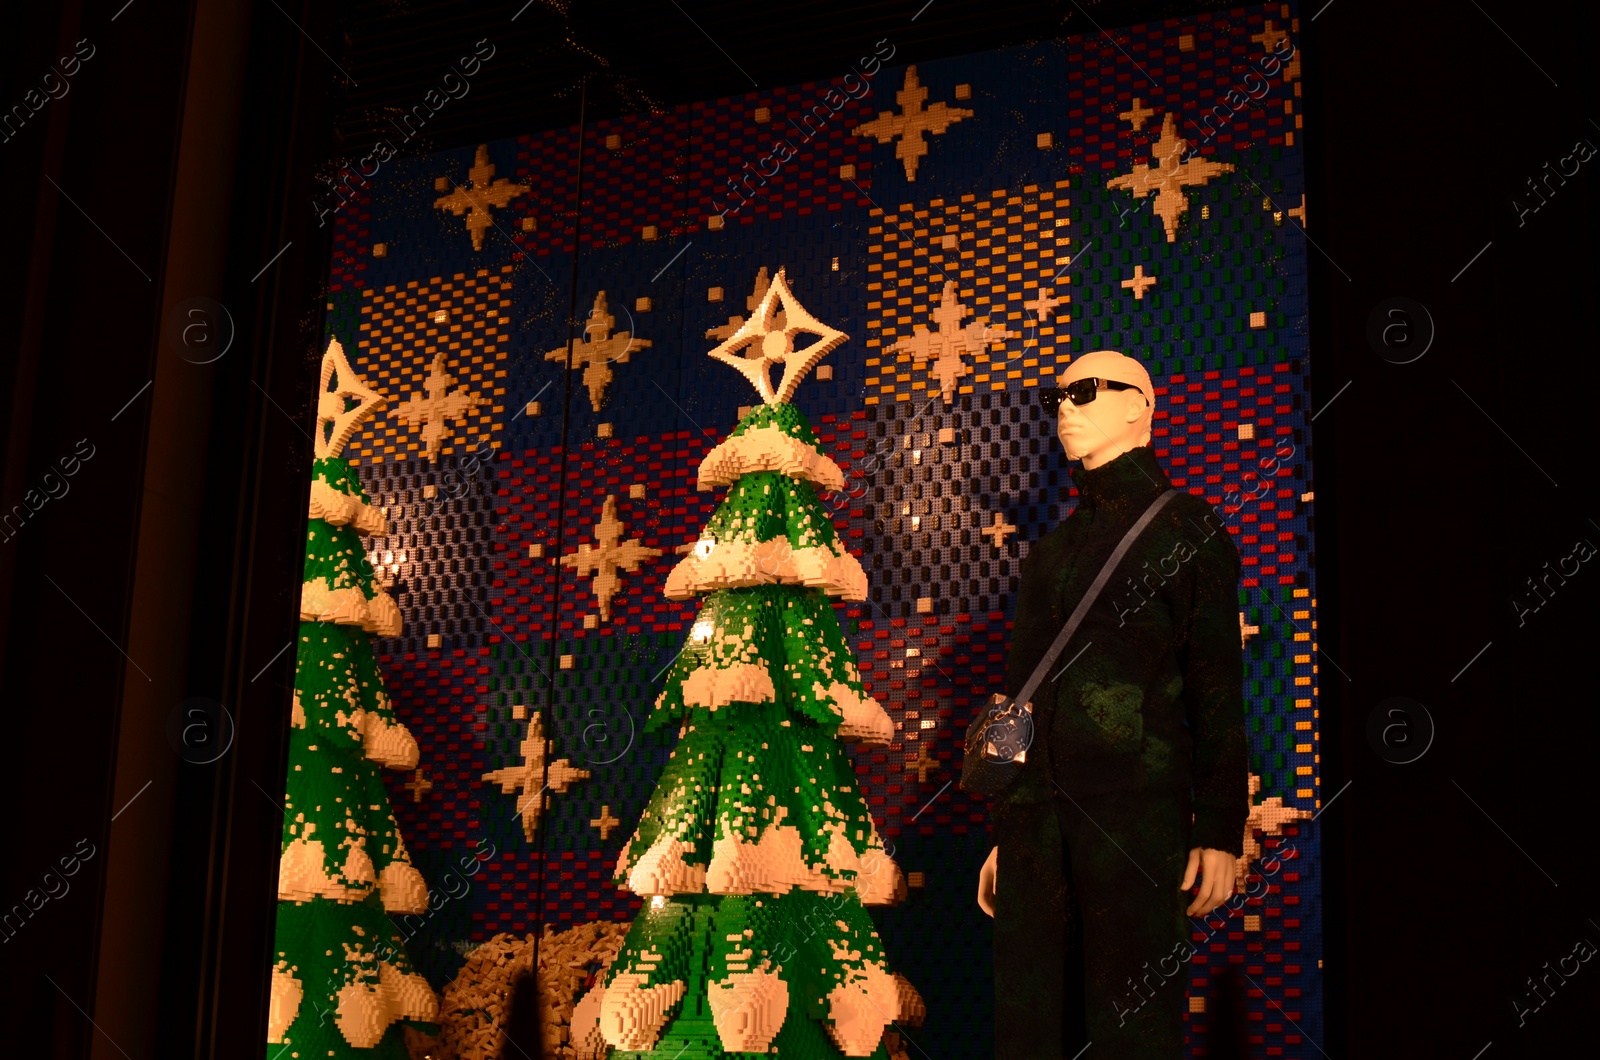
(337, 418)
(432, 413)
(764, 341)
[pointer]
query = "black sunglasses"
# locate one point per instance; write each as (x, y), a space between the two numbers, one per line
(1080, 392)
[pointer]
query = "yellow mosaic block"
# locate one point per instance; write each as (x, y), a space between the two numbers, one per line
(402, 330)
(1001, 249)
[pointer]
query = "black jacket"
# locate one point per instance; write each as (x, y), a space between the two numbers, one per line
(1149, 693)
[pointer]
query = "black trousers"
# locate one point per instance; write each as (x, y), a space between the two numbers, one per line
(1090, 935)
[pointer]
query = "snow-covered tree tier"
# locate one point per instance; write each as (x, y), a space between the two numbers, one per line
(338, 585)
(757, 851)
(771, 528)
(340, 838)
(341, 980)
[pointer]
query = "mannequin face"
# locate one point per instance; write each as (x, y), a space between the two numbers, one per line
(1114, 422)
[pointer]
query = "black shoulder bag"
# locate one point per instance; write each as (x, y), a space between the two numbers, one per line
(999, 737)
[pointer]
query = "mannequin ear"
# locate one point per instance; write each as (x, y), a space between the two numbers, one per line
(1141, 408)
(1133, 405)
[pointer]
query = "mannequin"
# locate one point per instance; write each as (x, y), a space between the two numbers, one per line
(1145, 748)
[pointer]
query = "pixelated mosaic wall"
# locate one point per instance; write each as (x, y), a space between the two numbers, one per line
(1024, 204)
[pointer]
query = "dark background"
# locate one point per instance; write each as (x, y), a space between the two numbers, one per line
(182, 159)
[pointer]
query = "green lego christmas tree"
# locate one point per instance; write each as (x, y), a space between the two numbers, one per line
(341, 981)
(757, 852)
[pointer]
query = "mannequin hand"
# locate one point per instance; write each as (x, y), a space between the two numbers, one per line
(1216, 879)
(986, 877)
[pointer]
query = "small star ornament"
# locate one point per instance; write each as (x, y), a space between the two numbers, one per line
(534, 776)
(609, 556)
(344, 403)
(765, 340)
(477, 201)
(1166, 175)
(432, 410)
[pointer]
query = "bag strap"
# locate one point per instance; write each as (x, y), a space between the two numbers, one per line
(1037, 677)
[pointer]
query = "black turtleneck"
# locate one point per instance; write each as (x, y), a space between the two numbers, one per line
(1152, 694)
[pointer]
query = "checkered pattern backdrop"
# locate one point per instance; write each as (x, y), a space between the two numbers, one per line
(1011, 204)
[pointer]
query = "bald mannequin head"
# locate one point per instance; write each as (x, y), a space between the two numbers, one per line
(1116, 420)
